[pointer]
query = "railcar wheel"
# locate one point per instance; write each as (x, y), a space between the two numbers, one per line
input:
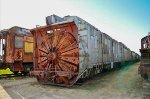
(24, 73)
(145, 76)
(15, 72)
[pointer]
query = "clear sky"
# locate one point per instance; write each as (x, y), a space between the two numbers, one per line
(126, 21)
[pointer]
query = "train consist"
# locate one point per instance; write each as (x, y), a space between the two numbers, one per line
(69, 49)
(16, 50)
(144, 68)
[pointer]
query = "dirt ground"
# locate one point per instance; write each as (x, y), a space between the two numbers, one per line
(124, 83)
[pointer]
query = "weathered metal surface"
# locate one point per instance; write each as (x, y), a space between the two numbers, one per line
(8, 49)
(18, 55)
(120, 51)
(115, 48)
(56, 53)
(17, 66)
(53, 19)
(28, 47)
(95, 51)
(144, 68)
(107, 49)
(126, 53)
(28, 57)
(145, 42)
(90, 43)
(135, 56)
(13, 46)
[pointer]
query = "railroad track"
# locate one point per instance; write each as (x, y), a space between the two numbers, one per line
(146, 89)
(9, 76)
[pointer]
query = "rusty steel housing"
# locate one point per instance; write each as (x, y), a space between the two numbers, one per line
(69, 49)
(16, 49)
(144, 68)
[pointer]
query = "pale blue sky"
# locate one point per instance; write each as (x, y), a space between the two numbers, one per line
(125, 20)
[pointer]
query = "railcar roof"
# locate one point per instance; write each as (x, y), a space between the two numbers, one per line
(144, 38)
(145, 50)
(55, 24)
(84, 21)
(19, 31)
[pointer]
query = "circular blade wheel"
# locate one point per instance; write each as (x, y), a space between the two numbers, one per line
(58, 55)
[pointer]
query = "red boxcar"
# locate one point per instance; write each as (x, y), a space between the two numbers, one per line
(16, 49)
